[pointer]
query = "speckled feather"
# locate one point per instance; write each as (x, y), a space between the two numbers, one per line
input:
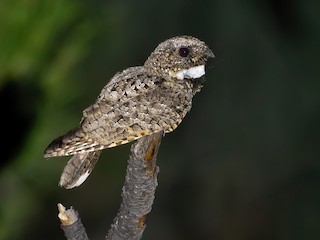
(136, 102)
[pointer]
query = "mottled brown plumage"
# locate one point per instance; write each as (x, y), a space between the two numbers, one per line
(136, 102)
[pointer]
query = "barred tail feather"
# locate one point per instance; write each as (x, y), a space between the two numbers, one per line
(78, 169)
(74, 142)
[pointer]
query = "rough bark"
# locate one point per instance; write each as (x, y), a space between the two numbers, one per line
(71, 224)
(138, 191)
(138, 194)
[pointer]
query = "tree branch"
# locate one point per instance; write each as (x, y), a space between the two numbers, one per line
(138, 190)
(71, 224)
(138, 194)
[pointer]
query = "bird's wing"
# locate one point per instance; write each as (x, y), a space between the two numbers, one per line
(123, 87)
(146, 111)
(73, 142)
(134, 105)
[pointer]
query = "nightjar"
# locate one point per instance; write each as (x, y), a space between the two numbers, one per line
(136, 102)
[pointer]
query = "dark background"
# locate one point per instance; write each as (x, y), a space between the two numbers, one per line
(244, 164)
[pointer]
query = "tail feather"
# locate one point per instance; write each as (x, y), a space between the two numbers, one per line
(74, 142)
(78, 169)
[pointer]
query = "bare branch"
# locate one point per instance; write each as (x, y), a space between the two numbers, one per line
(138, 190)
(71, 224)
(138, 194)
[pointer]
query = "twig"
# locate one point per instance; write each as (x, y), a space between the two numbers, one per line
(71, 224)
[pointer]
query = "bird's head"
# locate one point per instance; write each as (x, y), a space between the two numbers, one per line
(179, 58)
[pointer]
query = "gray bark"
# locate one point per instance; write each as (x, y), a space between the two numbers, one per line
(138, 194)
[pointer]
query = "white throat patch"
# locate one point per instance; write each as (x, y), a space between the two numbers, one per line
(193, 72)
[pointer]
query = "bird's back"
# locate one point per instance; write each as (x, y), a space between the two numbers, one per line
(133, 104)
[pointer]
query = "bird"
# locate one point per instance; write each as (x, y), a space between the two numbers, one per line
(136, 102)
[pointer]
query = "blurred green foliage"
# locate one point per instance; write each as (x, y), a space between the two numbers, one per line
(243, 165)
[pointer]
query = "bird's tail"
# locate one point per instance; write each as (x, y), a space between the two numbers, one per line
(78, 169)
(73, 142)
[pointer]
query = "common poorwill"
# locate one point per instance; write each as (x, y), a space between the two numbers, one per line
(138, 101)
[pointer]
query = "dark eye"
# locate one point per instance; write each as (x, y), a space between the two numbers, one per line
(184, 52)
